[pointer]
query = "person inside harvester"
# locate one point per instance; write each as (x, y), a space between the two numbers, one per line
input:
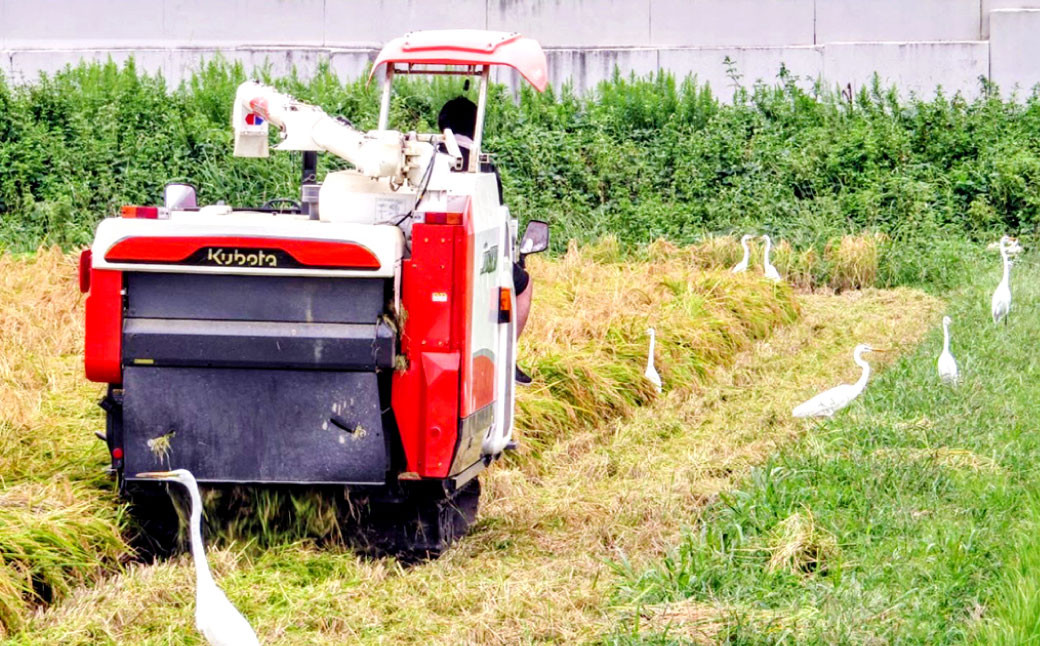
(460, 115)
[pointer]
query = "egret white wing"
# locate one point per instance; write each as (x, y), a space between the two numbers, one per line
(947, 368)
(653, 377)
(826, 403)
(221, 623)
(1001, 302)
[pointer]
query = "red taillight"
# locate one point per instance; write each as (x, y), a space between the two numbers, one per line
(117, 453)
(443, 218)
(85, 262)
(147, 212)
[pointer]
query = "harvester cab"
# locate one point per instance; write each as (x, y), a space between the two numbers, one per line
(362, 336)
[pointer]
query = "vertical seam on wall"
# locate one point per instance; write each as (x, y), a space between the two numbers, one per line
(650, 28)
(989, 45)
(815, 2)
(325, 23)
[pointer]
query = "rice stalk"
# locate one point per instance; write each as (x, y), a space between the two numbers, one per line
(852, 262)
(800, 546)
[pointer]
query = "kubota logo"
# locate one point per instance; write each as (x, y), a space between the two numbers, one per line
(240, 258)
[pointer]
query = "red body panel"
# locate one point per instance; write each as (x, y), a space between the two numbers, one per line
(313, 253)
(104, 327)
(425, 397)
(439, 388)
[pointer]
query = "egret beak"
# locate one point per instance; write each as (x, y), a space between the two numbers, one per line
(880, 350)
(155, 475)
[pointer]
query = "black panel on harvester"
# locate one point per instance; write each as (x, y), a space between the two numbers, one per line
(254, 298)
(264, 426)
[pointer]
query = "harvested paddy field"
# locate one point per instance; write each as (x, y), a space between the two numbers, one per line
(607, 476)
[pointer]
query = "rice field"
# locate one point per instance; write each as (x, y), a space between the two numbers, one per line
(608, 472)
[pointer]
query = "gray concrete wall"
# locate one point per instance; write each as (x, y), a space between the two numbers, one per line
(918, 45)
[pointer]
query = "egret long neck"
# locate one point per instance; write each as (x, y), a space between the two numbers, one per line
(650, 357)
(1007, 263)
(862, 383)
(769, 246)
(946, 337)
(747, 252)
(198, 552)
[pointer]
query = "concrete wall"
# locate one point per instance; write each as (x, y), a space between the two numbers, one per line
(917, 45)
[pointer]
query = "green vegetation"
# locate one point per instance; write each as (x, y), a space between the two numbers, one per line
(639, 159)
(906, 519)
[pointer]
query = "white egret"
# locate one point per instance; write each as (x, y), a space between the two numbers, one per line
(947, 364)
(831, 401)
(651, 372)
(1001, 305)
(743, 264)
(771, 272)
(218, 621)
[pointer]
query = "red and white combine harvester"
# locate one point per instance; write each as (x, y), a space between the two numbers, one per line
(361, 338)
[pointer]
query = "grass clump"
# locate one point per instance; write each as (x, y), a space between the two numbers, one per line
(798, 545)
(53, 537)
(852, 262)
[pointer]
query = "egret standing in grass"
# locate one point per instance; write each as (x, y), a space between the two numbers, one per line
(771, 272)
(218, 621)
(831, 401)
(743, 264)
(1001, 305)
(651, 372)
(947, 364)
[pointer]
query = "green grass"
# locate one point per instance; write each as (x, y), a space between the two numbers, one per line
(636, 158)
(917, 509)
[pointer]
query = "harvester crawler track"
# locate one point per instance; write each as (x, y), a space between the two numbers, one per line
(411, 527)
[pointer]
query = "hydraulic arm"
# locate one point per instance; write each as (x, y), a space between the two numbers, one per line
(376, 154)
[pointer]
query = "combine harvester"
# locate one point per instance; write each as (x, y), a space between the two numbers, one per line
(360, 338)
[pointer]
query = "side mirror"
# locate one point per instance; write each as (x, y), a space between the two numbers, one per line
(536, 238)
(179, 197)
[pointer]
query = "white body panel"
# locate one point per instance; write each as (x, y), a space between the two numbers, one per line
(493, 235)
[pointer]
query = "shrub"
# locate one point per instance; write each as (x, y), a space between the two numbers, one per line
(638, 158)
